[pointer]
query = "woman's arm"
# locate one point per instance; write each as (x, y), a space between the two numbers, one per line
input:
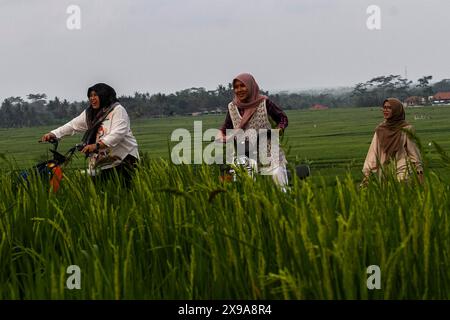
(76, 125)
(371, 162)
(277, 114)
(228, 124)
(414, 156)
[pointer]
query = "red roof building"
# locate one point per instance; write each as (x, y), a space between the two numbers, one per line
(441, 98)
(318, 107)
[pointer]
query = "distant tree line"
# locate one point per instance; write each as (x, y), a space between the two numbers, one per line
(38, 110)
(374, 91)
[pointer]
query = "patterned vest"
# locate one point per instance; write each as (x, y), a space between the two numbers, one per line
(259, 120)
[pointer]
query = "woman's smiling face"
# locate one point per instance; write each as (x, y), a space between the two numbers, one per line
(94, 100)
(240, 90)
(387, 110)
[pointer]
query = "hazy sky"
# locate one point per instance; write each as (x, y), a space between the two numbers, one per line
(168, 45)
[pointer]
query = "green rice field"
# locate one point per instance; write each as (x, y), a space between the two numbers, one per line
(180, 233)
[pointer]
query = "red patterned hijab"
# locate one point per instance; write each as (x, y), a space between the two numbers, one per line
(254, 98)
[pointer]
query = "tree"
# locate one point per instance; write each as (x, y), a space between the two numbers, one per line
(56, 110)
(38, 101)
(424, 85)
(401, 87)
(443, 85)
(374, 91)
(37, 97)
(15, 100)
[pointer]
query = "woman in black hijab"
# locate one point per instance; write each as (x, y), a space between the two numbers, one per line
(108, 140)
(102, 98)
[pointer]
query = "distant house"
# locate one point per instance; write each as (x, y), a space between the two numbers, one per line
(441, 98)
(217, 111)
(318, 107)
(415, 101)
(196, 114)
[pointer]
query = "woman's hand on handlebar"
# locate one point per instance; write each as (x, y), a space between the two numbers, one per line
(93, 148)
(90, 148)
(221, 137)
(48, 137)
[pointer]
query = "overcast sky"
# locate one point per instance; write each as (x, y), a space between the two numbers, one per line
(168, 45)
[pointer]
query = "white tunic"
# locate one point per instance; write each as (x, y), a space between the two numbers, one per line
(114, 132)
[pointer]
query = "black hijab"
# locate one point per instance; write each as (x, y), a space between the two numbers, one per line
(95, 117)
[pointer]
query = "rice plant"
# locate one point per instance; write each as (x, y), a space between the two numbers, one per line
(179, 233)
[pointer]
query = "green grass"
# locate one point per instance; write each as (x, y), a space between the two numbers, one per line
(181, 234)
